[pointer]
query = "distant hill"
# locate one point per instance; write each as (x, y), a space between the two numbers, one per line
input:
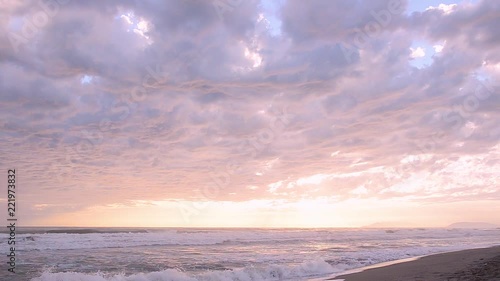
(472, 225)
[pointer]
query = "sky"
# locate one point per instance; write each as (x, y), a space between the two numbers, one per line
(231, 113)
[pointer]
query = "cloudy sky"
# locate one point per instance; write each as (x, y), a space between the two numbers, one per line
(283, 113)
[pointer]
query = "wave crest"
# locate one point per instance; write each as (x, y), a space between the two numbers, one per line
(272, 272)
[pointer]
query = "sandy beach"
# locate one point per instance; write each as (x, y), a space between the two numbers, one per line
(470, 265)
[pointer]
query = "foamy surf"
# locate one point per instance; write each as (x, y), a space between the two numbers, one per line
(225, 254)
(302, 271)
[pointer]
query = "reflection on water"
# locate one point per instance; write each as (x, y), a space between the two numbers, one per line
(196, 252)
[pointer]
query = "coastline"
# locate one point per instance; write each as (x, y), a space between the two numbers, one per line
(472, 264)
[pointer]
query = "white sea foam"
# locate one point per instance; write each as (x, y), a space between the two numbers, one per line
(243, 255)
(272, 272)
(360, 238)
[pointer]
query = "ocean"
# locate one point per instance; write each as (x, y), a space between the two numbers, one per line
(160, 254)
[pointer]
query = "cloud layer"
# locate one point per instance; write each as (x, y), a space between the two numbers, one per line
(127, 103)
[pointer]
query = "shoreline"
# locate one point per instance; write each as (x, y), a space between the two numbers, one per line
(472, 264)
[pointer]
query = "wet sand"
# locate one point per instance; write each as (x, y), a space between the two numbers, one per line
(467, 265)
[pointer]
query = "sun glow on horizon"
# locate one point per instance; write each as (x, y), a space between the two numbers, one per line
(306, 213)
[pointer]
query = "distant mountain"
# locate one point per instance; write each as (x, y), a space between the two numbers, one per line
(472, 225)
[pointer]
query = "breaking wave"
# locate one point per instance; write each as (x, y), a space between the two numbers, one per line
(302, 271)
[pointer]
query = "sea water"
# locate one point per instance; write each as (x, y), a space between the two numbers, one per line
(140, 254)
